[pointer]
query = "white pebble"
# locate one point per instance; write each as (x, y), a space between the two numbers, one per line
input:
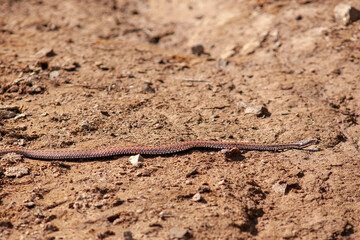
(136, 160)
(346, 14)
(197, 197)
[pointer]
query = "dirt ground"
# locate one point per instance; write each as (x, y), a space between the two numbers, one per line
(92, 74)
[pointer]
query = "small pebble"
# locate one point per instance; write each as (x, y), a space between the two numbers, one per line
(102, 66)
(188, 182)
(221, 182)
(198, 49)
(45, 52)
(128, 235)
(51, 228)
(17, 171)
(106, 234)
(147, 88)
(231, 153)
(42, 64)
(6, 224)
(346, 14)
(21, 115)
(228, 51)
(38, 213)
(222, 63)
(88, 125)
(35, 89)
(50, 218)
(20, 142)
(4, 114)
(179, 233)
(258, 111)
(105, 113)
(214, 117)
(163, 215)
(136, 160)
(29, 204)
(280, 188)
(204, 189)
(117, 202)
(197, 197)
(70, 66)
(193, 172)
(54, 74)
(13, 108)
(249, 47)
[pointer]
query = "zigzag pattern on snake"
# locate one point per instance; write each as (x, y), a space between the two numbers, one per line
(146, 150)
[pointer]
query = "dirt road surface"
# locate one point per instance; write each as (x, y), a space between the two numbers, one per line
(92, 74)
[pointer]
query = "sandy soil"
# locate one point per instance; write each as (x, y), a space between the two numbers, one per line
(85, 74)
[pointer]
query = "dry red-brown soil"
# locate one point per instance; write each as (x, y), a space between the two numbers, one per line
(93, 74)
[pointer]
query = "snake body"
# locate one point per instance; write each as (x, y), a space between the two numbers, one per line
(146, 150)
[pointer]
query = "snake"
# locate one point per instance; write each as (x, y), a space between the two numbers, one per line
(151, 150)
